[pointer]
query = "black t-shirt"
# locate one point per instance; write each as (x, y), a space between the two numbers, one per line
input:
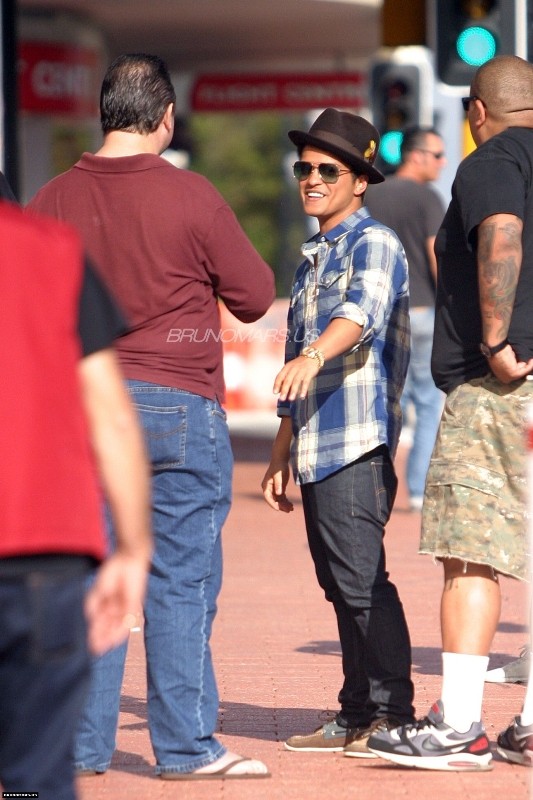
(100, 320)
(496, 178)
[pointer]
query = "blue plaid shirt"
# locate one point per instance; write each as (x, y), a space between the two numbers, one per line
(357, 271)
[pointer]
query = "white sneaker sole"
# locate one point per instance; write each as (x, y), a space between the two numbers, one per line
(368, 754)
(499, 676)
(460, 762)
(525, 758)
(312, 749)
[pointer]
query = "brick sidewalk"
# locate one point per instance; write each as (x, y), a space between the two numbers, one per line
(278, 665)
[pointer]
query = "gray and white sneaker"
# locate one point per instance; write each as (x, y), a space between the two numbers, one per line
(516, 671)
(515, 744)
(432, 744)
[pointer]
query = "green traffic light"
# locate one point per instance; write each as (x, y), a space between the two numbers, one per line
(476, 45)
(389, 148)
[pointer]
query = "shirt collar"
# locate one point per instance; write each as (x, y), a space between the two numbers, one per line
(342, 228)
(337, 233)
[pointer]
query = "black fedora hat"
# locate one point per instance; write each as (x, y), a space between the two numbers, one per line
(349, 137)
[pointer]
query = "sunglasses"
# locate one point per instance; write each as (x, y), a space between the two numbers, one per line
(466, 101)
(466, 104)
(329, 173)
(437, 156)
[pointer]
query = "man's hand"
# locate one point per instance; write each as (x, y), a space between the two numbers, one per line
(274, 484)
(294, 379)
(277, 475)
(506, 368)
(117, 594)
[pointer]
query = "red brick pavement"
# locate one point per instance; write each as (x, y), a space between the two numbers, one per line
(278, 666)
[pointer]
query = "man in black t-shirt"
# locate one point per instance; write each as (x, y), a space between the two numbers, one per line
(474, 516)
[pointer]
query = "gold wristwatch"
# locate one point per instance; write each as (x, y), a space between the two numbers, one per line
(314, 352)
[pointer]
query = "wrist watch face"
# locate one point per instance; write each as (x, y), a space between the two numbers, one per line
(488, 352)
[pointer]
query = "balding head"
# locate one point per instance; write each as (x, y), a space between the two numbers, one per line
(502, 97)
(505, 84)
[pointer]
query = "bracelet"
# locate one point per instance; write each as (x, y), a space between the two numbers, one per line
(313, 352)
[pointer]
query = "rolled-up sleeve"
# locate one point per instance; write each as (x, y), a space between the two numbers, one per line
(379, 266)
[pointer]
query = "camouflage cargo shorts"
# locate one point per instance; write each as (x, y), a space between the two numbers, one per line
(475, 499)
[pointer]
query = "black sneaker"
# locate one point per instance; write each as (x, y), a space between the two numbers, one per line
(329, 738)
(516, 671)
(516, 743)
(432, 744)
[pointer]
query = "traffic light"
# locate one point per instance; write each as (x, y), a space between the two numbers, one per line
(401, 82)
(470, 32)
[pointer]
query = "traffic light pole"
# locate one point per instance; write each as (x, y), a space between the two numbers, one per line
(523, 29)
(449, 121)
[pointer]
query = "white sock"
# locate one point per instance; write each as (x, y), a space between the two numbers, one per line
(463, 680)
(526, 717)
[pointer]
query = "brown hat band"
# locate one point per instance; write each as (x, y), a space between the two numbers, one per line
(337, 141)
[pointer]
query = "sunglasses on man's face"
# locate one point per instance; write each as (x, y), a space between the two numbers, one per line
(329, 173)
(436, 156)
(467, 100)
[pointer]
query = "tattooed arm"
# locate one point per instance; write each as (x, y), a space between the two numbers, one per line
(499, 259)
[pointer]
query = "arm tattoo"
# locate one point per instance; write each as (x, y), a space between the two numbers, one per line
(499, 261)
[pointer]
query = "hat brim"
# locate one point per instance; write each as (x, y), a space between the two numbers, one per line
(333, 144)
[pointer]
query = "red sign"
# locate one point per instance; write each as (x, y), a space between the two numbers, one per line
(58, 78)
(290, 92)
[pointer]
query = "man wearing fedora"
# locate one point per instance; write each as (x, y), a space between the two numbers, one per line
(346, 359)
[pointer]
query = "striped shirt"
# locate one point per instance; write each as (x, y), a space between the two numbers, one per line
(356, 271)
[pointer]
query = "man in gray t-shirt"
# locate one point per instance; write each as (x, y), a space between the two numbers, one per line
(409, 205)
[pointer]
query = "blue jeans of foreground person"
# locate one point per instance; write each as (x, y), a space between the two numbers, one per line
(44, 677)
(188, 443)
(427, 400)
(345, 516)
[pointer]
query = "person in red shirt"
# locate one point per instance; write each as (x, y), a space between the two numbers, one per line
(65, 415)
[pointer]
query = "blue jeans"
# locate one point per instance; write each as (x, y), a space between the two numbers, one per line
(427, 400)
(44, 677)
(189, 448)
(345, 517)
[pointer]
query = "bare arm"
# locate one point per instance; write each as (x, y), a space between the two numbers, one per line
(119, 449)
(432, 258)
(277, 475)
(499, 259)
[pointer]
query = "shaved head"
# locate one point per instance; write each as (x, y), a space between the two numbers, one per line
(505, 85)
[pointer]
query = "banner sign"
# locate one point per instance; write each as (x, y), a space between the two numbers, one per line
(58, 78)
(279, 91)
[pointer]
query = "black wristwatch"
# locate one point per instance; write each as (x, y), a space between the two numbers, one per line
(488, 352)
